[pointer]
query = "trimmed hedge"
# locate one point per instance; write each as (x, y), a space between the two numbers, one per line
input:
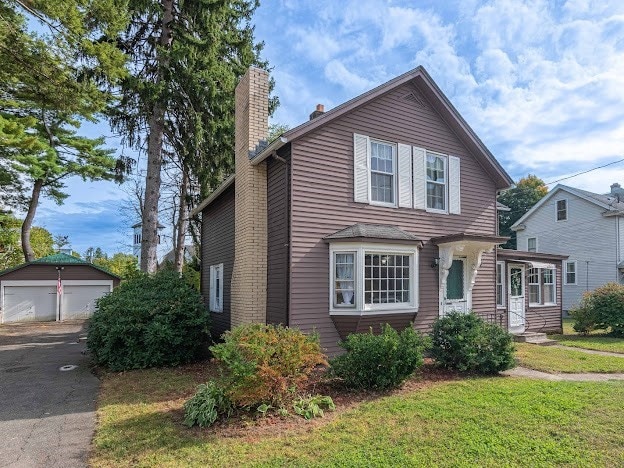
(149, 321)
(379, 361)
(465, 342)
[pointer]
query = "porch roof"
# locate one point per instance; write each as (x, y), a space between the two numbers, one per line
(373, 233)
(465, 237)
(509, 254)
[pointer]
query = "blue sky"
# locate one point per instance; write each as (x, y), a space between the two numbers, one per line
(541, 82)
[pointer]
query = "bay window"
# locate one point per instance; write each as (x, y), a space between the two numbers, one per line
(372, 277)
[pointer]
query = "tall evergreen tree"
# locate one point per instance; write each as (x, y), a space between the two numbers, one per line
(186, 58)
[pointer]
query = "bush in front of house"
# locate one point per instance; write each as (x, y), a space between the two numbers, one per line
(601, 309)
(266, 364)
(467, 343)
(380, 361)
(149, 321)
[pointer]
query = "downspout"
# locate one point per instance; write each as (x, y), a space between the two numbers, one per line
(617, 248)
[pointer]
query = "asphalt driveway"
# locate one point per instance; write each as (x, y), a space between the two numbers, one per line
(47, 416)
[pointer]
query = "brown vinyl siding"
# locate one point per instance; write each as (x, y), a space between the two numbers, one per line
(218, 247)
(322, 203)
(278, 212)
(49, 272)
(545, 318)
(346, 324)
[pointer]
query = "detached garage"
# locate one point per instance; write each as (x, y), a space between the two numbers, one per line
(57, 287)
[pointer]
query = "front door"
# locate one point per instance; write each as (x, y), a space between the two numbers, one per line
(455, 298)
(516, 298)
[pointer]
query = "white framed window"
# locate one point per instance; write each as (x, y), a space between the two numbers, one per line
(372, 278)
(383, 173)
(500, 284)
(548, 282)
(216, 288)
(532, 244)
(437, 182)
(561, 210)
(534, 286)
(570, 272)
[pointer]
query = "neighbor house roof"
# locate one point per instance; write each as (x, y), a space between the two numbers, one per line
(60, 259)
(609, 203)
(433, 94)
(371, 232)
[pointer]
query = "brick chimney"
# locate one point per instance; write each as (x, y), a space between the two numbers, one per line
(249, 277)
(320, 110)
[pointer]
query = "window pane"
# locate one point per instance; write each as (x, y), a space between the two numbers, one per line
(532, 244)
(562, 210)
(534, 293)
(344, 280)
(382, 187)
(386, 282)
(435, 169)
(549, 294)
(455, 280)
(515, 280)
(435, 196)
(499, 294)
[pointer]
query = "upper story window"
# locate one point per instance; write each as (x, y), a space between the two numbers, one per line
(532, 244)
(436, 181)
(562, 210)
(398, 175)
(570, 272)
(382, 172)
(369, 278)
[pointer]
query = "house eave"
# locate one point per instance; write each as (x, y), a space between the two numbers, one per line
(269, 150)
(213, 196)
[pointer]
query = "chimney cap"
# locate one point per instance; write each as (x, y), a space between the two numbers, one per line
(615, 185)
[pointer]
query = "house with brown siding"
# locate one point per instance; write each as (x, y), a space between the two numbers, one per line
(381, 210)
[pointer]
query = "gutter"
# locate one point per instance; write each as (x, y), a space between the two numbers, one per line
(269, 150)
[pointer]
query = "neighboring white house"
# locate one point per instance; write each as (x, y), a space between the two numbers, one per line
(584, 225)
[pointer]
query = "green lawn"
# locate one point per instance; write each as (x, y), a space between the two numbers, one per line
(477, 421)
(553, 359)
(597, 340)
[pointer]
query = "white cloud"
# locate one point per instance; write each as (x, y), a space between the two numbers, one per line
(336, 72)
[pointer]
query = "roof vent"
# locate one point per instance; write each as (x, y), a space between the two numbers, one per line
(320, 110)
(414, 98)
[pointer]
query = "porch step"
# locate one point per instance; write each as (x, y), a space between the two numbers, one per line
(534, 338)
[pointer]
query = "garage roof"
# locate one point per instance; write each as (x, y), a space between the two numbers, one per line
(58, 259)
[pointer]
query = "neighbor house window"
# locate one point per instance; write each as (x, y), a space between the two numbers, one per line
(534, 286)
(562, 210)
(367, 278)
(548, 281)
(500, 284)
(570, 272)
(436, 181)
(383, 172)
(216, 288)
(532, 244)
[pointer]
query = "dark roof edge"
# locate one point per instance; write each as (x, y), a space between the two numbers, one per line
(213, 196)
(373, 240)
(520, 254)
(24, 265)
(468, 237)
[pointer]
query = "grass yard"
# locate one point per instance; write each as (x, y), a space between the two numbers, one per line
(477, 421)
(553, 359)
(596, 340)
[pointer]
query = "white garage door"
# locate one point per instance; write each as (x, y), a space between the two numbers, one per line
(78, 302)
(29, 303)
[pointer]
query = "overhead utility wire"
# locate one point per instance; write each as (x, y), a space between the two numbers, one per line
(584, 172)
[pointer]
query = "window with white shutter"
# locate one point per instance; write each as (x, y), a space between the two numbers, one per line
(454, 185)
(360, 168)
(216, 288)
(405, 176)
(418, 176)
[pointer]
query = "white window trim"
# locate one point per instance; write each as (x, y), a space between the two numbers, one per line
(536, 244)
(395, 175)
(538, 284)
(446, 184)
(503, 284)
(554, 285)
(567, 204)
(360, 250)
(214, 307)
(565, 272)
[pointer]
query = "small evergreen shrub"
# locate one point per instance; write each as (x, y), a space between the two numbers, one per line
(207, 405)
(148, 321)
(465, 342)
(265, 363)
(379, 361)
(602, 309)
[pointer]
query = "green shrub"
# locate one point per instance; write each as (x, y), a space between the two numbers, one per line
(265, 363)
(379, 361)
(584, 320)
(312, 406)
(207, 405)
(148, 321)
(465, 342)
(602, 308)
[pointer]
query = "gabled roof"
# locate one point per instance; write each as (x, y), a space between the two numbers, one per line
(59, 259)
(218, 191)
(435, 97)
(609, 203)
(363, 232)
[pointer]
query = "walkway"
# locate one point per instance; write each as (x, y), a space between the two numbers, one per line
(585, 377)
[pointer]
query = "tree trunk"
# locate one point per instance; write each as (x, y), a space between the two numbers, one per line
(156, 125)
(29, 254)
(180, 243)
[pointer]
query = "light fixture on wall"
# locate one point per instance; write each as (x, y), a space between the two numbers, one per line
(435, 262)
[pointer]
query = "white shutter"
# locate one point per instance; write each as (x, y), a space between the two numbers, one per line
(360, 168)
(405, 175)
(454, 186)
(418, 168)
